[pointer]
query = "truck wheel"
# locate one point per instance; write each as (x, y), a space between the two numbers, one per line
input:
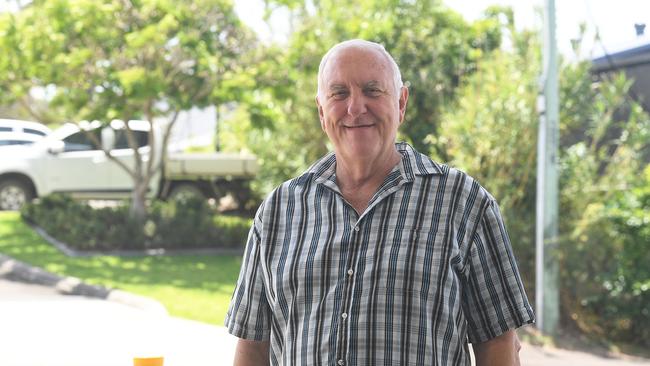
(242, 193)
(185, 191)
(14, 194)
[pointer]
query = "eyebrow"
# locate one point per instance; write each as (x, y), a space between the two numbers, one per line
(337, 87)
(373, 84)
(370, 84)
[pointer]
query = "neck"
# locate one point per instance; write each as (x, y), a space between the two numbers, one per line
(356, 174)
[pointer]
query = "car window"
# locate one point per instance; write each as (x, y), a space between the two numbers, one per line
(121, 142)
(33, 131)
(5, 129)
(80, 142)
(15, 142)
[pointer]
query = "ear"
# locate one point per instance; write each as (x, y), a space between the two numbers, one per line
(403, 100)
(320, 113)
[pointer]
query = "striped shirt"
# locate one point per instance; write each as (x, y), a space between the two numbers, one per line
(424, 269)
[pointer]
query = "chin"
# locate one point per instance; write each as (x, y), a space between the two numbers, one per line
(364, 151)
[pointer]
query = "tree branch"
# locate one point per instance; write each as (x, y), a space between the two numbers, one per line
(108, 154)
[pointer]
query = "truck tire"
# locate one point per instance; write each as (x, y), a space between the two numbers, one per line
(14, 194)
(242, 193)
(184, 191)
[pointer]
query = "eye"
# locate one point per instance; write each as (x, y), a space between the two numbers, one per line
(339, 94)
(373, 92)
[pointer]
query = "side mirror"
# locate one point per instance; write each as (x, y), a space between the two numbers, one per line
(55, 147)
(108, 138)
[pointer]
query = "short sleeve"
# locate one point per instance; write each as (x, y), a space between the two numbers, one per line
(248, 315)
(494, 299)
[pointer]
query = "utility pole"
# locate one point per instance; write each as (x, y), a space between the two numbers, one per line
(547, 305)
(217, 124)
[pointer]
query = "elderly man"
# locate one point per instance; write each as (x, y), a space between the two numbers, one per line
(376, 255)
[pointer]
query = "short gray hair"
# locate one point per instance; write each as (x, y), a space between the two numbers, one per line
(360, 43)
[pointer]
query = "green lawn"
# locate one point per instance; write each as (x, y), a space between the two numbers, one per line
(190, 286)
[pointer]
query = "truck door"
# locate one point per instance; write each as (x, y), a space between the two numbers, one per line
(80, 169)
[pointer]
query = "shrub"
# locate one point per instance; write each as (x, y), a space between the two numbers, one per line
(234, 230)
(603, 241)
(622, 299)
(181, 224)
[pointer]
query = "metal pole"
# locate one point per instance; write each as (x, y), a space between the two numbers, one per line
(217, 138)
(547, 270)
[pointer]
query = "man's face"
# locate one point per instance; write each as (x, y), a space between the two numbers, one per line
(358, 108)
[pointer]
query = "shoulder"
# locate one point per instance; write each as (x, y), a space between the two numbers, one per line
(456, 192)
(465, 184)
(323, 169)
(446, 185)
(469, 192)
(446, 180)
(296, 189)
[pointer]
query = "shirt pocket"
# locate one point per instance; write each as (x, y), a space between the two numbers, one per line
(407, 263)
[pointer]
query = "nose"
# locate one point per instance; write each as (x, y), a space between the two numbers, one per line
(356, 105)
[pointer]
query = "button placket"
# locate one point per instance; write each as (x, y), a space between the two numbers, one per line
(348, 277)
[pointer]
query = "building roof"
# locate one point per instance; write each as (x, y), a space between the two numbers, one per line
(625, 57)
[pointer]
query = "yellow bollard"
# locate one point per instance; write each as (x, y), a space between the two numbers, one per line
(148, 361)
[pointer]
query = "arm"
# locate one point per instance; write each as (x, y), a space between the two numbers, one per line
(251, 353)
(500, 351)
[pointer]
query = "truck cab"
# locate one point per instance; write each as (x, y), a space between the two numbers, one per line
(69, 160)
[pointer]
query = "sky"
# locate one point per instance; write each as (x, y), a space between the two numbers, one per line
(614, 20)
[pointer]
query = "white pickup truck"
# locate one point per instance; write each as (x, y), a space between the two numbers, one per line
(68, 161)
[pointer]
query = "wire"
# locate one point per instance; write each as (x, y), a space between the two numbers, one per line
(610, 61)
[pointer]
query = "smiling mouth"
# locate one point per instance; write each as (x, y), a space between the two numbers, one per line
(360, 126)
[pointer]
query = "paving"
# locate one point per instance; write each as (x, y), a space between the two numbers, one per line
(539, 356)
(50, 325)
(41, 327)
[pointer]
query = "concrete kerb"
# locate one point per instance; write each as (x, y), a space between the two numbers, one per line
(16, 270)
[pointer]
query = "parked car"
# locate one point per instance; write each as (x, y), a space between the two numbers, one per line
(68, 161)
(17, 138)
(27, 127)
(17, 132)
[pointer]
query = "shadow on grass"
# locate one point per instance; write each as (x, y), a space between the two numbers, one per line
(158, 276)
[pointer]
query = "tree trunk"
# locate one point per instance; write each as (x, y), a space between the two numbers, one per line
(138, 209)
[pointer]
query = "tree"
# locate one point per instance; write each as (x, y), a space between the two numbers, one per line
(125, 59)
(433, 45)
(491, 133)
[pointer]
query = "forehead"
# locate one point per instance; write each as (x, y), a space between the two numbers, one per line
(358, 65)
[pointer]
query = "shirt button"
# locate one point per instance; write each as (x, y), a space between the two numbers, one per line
(350, 272)
(341, 363)
(356, 228)
(344, 315)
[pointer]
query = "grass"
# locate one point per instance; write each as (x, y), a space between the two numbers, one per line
(190, 286)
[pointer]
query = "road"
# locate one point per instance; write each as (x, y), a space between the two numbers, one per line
(40, 327)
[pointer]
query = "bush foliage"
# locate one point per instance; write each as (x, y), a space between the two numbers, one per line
(618, 296)
(183, 224)
(491, 132)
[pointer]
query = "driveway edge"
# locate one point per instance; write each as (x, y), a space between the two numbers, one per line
(15, 270)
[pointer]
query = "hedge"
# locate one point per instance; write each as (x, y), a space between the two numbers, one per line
(184, 224)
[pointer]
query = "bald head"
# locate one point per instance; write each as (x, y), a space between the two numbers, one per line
(363, 45)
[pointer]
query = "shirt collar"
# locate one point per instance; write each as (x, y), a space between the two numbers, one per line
(413, 163)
